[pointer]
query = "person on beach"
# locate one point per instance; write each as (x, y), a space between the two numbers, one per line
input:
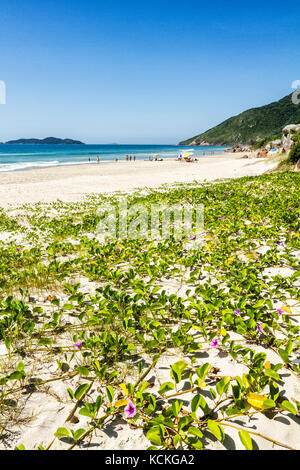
(126, 158)
(130, 158)
(98, 160)
(134, 158)
(89, 159)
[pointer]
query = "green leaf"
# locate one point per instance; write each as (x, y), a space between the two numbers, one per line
(184, 421)
(177, 369)
(268, 404)
(246, 440)
(216, 429)
(286, 405)
(17, 375)
(45, 342)
(195, 431)
(289, 347)
(197, 401)
(110, 393)
(154, 435)
(271, 373)
(77, 434)
(80, 391)
(165, 387)
(203, 370)
(83, 370)
(71, 393)
(284, 356)
(222, 385)
(62, 432)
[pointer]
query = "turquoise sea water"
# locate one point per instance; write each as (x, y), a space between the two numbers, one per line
(22, 157)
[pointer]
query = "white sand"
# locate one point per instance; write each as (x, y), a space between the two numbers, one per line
(70, 183)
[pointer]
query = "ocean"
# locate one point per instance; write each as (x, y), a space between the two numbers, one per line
(25, 156)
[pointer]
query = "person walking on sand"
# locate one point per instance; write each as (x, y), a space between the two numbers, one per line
(98, 160)
(134, 158)
(126, 158)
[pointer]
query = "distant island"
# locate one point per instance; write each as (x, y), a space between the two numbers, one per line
(251, 125)
(48, 141)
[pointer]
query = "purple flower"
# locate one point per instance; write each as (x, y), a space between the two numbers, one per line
(117, 248)
(130, 410)
(237, 312)
(93, 257)
(264, 219)
(282, 244)
(18, 250)
(280, 311)
(290, 208)
(78, 344)
(119, 428)
(259, 328)
(214, 343)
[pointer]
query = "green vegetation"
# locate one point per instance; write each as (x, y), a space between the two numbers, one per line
(294, 155)
(263, 142)
(252, 125)
(135, 329)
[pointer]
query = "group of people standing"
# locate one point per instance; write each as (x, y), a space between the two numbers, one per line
(128, 158)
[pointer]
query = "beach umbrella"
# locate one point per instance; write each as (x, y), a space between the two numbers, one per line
(186, 155)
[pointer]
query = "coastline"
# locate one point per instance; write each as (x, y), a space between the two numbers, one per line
(72, 182)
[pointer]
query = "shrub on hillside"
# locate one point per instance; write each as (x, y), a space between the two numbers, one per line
(294, 155)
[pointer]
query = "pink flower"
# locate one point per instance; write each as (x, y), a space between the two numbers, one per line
(119, 428)
(259, 328)
(78, 344)
(214, 343)
(130, 410)
(237, 312)
(280, 311)
(117, 248)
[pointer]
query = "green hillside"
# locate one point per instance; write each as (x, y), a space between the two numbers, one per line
(251, 125)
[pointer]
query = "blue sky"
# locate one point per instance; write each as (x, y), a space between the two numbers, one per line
(141, 71)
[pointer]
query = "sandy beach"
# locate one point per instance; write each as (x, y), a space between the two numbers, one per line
(43, 410)
(71, 183)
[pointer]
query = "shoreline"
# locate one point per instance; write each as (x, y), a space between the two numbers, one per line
(70, 183)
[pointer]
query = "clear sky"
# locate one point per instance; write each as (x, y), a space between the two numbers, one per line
(142, 71)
